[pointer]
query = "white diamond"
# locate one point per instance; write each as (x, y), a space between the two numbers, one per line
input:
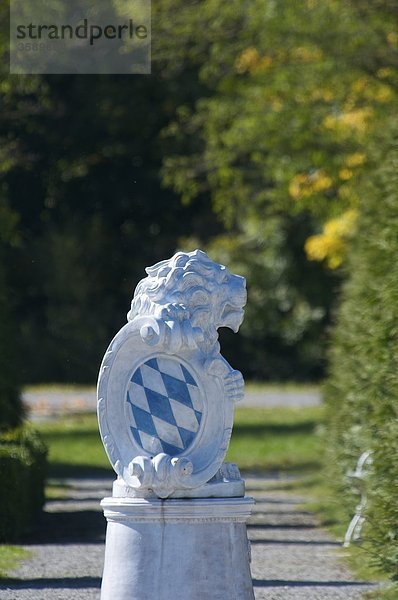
(149, 443)
(196, 399)
(184, 416)
(130, 416)
(152, 380)
(138, 396)
(168, 433)
(170, 367)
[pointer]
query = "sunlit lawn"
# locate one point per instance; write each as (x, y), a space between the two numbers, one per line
(262, 439)
(10, 556)
(276, 438)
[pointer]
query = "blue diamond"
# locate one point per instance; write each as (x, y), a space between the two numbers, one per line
(136, 435)
(186, 436)
(144, 421)
(137, 377)
(153, 363)
(160, 406)
(170, 449)
(129, 398)
(188, 377)
(177, 390)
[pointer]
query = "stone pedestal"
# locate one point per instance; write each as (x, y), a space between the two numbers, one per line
(166, 397)
(193, 549)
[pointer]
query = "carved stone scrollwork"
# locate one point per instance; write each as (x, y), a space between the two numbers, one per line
(163, 474)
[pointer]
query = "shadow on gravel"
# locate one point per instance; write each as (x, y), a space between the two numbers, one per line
(294, 542)
(278, 429)
(280, 526)
(72, 583)
(266, 500)
(80, 527)
(281, 513)
(306, 583)
(58, 470)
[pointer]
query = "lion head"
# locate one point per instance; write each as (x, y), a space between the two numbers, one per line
(192, 286)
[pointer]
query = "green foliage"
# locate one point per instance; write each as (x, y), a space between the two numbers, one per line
(293, 91)
(11, 408)
(79, 167)
(286, 109)
(283, 334)
(362, 392)
(23, 470)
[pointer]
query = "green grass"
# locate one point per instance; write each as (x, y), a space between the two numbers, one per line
(59, 387)
(290, 386)
(10, 557)
(75, 447)
(251, 386)
(262, 439)
(389, 593)
(276, 439)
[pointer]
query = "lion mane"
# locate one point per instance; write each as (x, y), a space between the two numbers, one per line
(192, 286)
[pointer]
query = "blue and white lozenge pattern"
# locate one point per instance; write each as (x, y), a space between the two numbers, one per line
(164, 406)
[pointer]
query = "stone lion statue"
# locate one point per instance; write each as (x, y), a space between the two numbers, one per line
(190, 286)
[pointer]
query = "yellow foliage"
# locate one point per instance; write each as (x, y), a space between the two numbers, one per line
(306, 54)
(392, 38)
(304, 185)
(384, 94)
(356, 119)
(251, 60)
(323, 94)
(330, 245)
(360, 85)
(265, 62)
(384, 72)
(247, 59)
(345, 174)
(356, 159)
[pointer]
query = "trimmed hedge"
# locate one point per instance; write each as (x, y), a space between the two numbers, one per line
(362, 390)
(22, 471)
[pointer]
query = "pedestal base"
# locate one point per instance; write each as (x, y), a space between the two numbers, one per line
(192, 549)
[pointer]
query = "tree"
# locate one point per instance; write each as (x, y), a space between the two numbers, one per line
(289, 111)
(279, 141)
(80, 166)
(11, 407)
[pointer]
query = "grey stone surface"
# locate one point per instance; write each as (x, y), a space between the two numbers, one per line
(292, 557)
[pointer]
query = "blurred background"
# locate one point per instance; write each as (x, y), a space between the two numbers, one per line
(266, 135)
(247, 140)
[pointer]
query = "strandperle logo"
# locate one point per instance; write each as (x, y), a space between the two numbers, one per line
(85, 31)
(80, 36)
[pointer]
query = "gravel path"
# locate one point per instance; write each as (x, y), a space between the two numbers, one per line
(292, 558)
(54, 402)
